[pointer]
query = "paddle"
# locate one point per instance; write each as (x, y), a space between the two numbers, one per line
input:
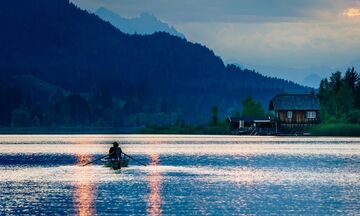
(94, 160)
(134, 159)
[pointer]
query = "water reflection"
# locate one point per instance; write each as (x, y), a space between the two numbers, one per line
(84, 193)
(155, 179)
(196, 176)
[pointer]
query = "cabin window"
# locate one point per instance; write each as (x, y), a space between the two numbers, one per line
(289, 114)
(311, 114)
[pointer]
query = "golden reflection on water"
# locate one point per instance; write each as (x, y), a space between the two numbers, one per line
(84, 193)
(155, 179)
(84, 199)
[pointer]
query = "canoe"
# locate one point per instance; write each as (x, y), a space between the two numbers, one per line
(124, 162)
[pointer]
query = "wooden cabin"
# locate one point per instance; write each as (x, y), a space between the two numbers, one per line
(295, 110)
(251, 125)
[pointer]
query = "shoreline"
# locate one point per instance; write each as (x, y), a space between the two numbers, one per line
(68, 130)
(144, 131)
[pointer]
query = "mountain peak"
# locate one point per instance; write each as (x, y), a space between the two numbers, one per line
(144, 24)
(101, 9)
(145, 15)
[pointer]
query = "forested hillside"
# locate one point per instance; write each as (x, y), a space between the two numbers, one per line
(61, 65)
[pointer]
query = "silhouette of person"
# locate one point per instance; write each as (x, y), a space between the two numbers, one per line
(115, 153)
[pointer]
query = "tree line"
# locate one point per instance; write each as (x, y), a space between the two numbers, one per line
(340, 97)
(100, 109)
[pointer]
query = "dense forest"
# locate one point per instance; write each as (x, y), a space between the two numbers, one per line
(63, 66)
(340, 104)
(340, 97)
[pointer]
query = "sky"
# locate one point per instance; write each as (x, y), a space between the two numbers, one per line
(285, 38)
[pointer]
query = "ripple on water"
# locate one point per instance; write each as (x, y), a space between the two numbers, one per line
(188, 175)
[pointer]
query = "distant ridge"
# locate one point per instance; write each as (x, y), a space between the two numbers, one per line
(144, 24)
(312, 80)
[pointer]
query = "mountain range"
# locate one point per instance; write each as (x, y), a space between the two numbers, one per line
(89, 72)
(307, 76)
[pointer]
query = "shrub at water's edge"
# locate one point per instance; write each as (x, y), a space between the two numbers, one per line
(185, 129)
(220, 129)
(215, 126)
(340, 129)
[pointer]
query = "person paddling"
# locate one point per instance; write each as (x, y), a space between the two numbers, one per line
(115, 156)
(115, 153)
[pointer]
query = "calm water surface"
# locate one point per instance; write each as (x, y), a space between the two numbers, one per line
(186, 175)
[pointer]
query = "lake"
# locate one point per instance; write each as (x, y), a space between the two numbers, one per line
(185, 175)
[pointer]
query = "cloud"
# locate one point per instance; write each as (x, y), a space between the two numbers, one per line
(352, 12)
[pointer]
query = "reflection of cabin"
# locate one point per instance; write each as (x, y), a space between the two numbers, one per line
(293, 112)
(251, 125)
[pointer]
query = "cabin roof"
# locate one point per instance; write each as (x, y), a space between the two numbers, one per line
(295, 102)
